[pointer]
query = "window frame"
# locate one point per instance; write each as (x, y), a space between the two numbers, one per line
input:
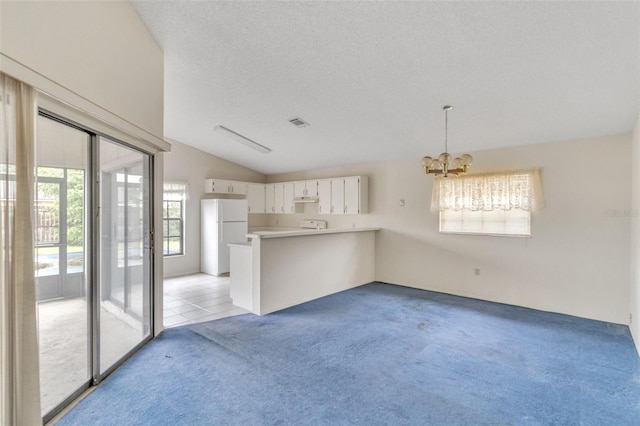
(167, 237)
(485, 223)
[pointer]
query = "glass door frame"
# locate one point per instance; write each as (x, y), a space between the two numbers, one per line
(93, 259)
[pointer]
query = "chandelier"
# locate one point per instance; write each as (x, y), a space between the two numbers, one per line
(444, 165)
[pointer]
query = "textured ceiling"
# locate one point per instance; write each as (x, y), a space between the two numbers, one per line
(372, 77)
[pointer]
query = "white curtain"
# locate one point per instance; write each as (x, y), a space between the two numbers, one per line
(490, 191)
(19, 372)
(175, 191)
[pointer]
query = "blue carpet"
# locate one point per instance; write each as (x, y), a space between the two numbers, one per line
(378, 355)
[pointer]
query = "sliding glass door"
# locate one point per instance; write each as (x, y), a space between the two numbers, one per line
(125, 251)
(62, 265)
(93, 215)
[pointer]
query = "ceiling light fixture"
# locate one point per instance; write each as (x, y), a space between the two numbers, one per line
(243, 140)
(444, 165)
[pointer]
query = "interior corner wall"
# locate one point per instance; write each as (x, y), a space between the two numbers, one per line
(98, 50)
(192, 166)
(576, 261)
(634, 291)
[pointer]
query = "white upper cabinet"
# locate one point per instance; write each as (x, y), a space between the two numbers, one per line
(337, 196)
(238, 188)
(256, 198)
(220, 186)
(347, 195)
(324, 196)
(217, 186)
(288, 206)
(299, 189)
(356, 195)
(269, 200)
(278, 197)
(305, 188)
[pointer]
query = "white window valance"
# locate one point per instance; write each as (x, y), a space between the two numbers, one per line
(489, 191)
(175, 191)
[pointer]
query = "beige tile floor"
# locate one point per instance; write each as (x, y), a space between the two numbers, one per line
(197, 298)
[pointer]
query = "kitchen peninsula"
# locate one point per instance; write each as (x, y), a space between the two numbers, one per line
(279, 269)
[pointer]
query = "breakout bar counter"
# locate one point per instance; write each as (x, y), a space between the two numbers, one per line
(279, 269)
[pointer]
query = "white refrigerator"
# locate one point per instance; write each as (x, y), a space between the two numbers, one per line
(222, 222)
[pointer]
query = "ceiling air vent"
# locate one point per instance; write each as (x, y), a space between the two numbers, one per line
(298, 122)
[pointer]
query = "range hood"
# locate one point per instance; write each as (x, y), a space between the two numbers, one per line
(305, 200)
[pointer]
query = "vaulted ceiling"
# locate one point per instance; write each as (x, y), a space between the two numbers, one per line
(372, 77)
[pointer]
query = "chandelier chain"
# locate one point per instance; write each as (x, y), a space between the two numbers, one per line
(446, 130)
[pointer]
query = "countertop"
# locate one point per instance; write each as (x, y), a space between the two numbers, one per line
(306, 232)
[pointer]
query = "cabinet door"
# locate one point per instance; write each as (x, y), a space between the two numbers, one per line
(278, 197)
(238, 188)
(269, 200)
(299, 189)
(311, 186)
(352, 195)
(217, 186)
(288, 197)
(256, 198)
(337, 196)
(324, 196)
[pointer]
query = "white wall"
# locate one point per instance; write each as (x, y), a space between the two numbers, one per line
(102, 62)
(99, 50)
(576, 261)
(187, 164)
(634, 293)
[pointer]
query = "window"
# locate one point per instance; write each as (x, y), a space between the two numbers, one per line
(488, 204)
(513, 222)
(173, 203)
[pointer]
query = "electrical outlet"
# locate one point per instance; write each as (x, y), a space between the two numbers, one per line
(476, 272)
(402, 202)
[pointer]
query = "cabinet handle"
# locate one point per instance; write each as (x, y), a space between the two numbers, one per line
(345, 209)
